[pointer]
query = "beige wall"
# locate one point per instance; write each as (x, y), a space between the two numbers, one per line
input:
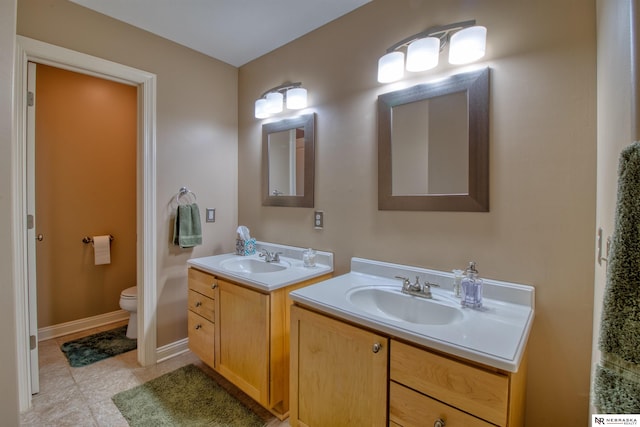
(540, 228)
(86, 131)
(196, 132)
(8, 356)
(616, 124)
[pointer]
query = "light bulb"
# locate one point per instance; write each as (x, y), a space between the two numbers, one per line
(468, 45)
(261, 109)
(274, 102)
(296, 98)
(422, 54)
(391, 67)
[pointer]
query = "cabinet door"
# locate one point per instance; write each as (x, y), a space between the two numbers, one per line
(242, 339)
(338, 373)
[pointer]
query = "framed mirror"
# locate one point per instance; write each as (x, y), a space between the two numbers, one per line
(433, 146)
(288, 162)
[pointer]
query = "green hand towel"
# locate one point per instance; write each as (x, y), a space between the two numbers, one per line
(187, 231)
(617, 381)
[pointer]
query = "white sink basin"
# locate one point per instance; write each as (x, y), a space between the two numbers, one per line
(251, 265)
(392, 304)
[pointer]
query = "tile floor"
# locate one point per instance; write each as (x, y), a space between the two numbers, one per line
(81, 397)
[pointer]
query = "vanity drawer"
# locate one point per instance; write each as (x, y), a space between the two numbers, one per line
(408, 408)
(201, 337)
(469, 388)
(201, 305)
(203, 283)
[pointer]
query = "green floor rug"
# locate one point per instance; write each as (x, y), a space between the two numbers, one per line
(91, 349)
(184, 397)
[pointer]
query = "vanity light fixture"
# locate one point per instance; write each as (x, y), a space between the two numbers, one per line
(293, 95)
(466, 40)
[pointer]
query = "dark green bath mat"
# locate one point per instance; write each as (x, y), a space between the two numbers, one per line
(91, 349)
(186, 397)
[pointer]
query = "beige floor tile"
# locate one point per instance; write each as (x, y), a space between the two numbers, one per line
(81, 397)
(111, 383)
(107, 414)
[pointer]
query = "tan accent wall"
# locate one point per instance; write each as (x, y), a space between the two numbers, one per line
(86, 131)
(540, 228)
(196, 133)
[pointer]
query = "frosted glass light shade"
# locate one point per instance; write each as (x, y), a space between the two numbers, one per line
(261, 109)
(391, 67)
(296, 98)
(423, 54)
(468, 45)
(274, 102)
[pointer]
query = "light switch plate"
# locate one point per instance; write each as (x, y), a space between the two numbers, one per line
(318, 220)
(211, 215)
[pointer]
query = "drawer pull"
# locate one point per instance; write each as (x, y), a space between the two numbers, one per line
(198, 326)
(439, 423)
(198, 304)
(376, 347)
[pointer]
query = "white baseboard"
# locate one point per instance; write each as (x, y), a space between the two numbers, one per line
(173, 349)
(74, 326)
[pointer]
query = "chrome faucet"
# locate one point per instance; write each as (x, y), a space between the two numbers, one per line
(416, 289)
(270, 256)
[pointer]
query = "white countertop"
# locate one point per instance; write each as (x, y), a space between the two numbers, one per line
(495, 335)
(291, 257)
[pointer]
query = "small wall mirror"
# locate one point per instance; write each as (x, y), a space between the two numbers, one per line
(433, 145)
(288, 162)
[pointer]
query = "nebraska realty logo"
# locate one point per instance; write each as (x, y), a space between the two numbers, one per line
(615, 420)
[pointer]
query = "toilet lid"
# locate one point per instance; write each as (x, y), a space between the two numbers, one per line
(131, 292)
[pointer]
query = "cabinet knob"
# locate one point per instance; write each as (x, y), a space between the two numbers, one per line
(198, 326)
(214, 285)
(376, 347)
(198, 303)
(439, 423)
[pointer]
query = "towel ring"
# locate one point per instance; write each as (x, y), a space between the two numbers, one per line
(183, 192)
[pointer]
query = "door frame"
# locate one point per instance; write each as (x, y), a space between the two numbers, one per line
(36, 51)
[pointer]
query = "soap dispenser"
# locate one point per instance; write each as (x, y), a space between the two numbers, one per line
(471, 288)
(309, 258)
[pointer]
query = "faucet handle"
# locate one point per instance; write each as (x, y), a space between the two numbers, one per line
(405, 281)
(429, 284)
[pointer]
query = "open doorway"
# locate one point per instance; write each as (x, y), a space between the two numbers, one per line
(35, 51)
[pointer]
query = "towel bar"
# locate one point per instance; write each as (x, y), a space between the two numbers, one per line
(87, 239)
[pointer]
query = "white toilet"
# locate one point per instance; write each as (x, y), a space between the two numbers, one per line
(129, 302)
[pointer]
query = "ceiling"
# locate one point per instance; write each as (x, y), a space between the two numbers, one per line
(233, 31)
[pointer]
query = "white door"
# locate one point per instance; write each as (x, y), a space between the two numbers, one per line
(32, 237)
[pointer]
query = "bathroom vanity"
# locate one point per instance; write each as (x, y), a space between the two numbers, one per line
(363, 351)
(239, 317)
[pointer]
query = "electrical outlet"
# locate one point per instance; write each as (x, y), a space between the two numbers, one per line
(211, 215)
(318, 220)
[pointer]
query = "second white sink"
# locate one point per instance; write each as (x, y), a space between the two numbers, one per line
(392, 304)
(251, 265)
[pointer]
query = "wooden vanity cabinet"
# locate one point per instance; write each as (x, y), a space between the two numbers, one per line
(338, 373)
(337, 380)
(249, 341)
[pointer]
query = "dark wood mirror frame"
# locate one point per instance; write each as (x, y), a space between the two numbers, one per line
(307, 122)
(476, 84)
